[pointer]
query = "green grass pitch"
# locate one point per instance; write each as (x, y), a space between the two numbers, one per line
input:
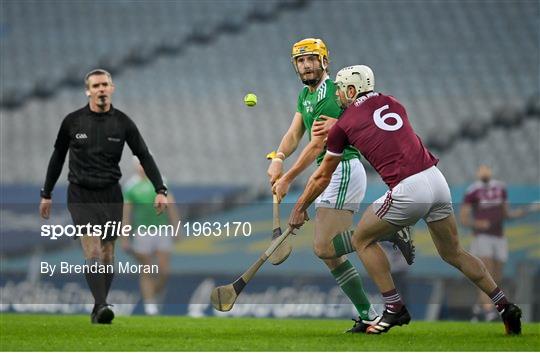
(138, 333)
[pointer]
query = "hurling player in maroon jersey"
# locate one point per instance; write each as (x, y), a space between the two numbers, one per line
(378, 126)
(484, 210)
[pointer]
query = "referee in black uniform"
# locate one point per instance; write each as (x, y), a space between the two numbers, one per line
(95, 137)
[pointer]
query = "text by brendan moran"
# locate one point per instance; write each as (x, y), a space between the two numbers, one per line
(121, 267)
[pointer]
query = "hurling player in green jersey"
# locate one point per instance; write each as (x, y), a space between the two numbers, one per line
(148, 248)
(336, 206)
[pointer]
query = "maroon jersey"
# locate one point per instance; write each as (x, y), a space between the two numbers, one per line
(378, 126)
(488, 203)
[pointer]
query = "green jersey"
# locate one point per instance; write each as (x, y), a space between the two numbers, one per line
(322, 101)
(140, 193)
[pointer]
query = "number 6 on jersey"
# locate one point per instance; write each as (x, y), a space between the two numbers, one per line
(380, 121)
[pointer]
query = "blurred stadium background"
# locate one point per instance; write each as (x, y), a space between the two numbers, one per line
(467, 72)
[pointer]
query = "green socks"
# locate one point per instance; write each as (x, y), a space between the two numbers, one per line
(343, 243)
(349, 280)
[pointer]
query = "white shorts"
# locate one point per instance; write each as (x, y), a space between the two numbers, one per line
(347, 187)
(423, 195)
(148, 245)
(493, 247)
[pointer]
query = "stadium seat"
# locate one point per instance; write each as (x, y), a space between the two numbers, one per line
(189, 98)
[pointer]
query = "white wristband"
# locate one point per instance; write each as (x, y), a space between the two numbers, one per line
(282, 155)
(277, 160)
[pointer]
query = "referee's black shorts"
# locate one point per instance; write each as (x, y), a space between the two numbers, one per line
(96, 206)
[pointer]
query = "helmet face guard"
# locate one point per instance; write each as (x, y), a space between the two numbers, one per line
(341, 87)
(310, 46)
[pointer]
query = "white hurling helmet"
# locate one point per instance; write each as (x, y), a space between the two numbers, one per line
(359, 76)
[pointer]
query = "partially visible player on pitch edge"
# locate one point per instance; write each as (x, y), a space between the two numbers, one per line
(139, 195)
(484, 210)
(378, 126)
(335, 207)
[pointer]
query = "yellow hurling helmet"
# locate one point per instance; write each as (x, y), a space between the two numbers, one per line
(310, 46)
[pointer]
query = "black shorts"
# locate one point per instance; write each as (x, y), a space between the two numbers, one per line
(96, 207)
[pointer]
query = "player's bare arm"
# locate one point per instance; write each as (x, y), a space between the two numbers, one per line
(126, 220)
(172, 211)
(466, 218)
(519, 212)
(288, 145)
(465, 215)
(322, 125)
(305, 159)
(315, 186)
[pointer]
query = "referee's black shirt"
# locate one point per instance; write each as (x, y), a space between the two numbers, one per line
(95, 142)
